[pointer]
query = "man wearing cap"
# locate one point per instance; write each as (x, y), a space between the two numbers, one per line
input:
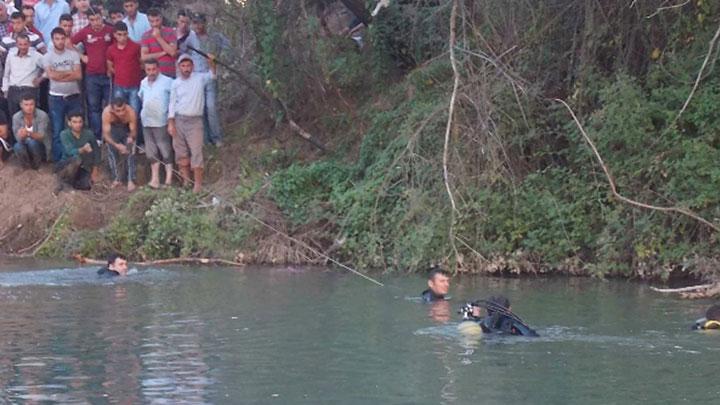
(185, 118)
(209, 43)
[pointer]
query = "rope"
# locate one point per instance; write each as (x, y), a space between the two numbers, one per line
(275, 230)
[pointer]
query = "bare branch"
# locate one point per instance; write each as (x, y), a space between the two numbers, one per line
(661, 9)
(613, 187)
(448, 129)
(711, 48)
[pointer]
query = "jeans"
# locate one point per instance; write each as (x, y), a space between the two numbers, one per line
(120, 164)
(30, 152)
(213, 129)
(60, 106)
(130, 94)
(97, 89)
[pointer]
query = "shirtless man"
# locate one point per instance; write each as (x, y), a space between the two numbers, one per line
(119, 129)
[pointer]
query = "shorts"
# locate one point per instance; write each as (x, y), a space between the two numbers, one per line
(188, 142)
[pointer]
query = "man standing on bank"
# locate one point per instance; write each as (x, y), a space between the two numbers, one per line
(185, 119)
(155, 96)
(96, 39)
(62, 66)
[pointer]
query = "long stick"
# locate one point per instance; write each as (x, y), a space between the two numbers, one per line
(177, 260)
(683, 289)
(267, 99)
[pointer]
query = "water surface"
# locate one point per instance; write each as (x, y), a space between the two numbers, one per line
(309, 336)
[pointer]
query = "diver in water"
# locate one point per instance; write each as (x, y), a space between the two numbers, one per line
(116, 266)
(438, 285)
(499, 317)
(711, 319)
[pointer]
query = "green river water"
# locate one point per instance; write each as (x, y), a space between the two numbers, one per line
(319, 336)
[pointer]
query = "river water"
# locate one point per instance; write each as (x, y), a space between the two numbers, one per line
(310, 336)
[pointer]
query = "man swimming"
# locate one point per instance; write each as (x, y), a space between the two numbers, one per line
(498, 318)
(711, 319)
(439, 285)
(116, 266)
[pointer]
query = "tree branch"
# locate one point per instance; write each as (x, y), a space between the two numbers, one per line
(448, 129)
(613, 187)
(699, 75)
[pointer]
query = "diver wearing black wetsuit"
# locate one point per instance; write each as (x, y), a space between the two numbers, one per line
(429, 296)
(499, 318)
(711, 319)
(105, 272)
(438, 285)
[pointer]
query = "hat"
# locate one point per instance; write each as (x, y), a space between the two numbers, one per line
(199, 17)
(184, 57)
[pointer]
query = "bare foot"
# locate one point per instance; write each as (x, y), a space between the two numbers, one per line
(197, 188)
(131, 186)
(115, 184)
(154, 184)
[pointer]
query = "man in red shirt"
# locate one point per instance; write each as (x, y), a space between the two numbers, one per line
(123, 65)
(160, 43)
(96, 39)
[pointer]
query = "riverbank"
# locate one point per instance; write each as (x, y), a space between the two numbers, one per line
(508, 183)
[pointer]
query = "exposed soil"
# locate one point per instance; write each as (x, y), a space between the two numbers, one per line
(29, 207)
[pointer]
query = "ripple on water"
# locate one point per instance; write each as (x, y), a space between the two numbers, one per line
(175, 370)
(77, 276)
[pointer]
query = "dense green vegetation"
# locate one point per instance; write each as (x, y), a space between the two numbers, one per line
(530, 194)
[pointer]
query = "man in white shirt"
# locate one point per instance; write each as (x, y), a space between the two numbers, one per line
(185, 118)
(22, 73)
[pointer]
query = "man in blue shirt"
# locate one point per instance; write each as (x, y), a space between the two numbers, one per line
(136, 21)
(155, 95)
(47, 16)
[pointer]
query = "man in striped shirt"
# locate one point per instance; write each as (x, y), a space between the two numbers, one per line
(8, 42)
(159, 43)
(4, 20)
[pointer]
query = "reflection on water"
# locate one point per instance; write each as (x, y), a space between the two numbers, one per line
(311, 336)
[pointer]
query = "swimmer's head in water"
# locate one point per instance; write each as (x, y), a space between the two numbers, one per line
(118, 263)
(439, 281)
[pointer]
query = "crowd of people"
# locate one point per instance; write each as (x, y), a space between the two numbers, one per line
(73, 81)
